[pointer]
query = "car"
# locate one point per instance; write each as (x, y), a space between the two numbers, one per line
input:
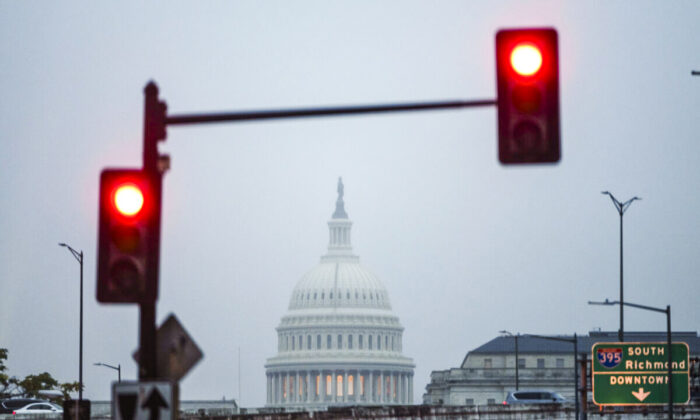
(535, 396)
(11, 404)
(43, 407)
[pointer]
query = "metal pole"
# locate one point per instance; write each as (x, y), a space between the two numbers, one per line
(517, 379)
(670, 360)
(119, 373)
(80, 376)
(323, 112)
(621, 333)
(576, 374)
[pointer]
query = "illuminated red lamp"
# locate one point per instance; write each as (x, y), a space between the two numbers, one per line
(128, 199)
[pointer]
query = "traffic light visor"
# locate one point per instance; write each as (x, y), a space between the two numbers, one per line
(526, 59)
(128, 199)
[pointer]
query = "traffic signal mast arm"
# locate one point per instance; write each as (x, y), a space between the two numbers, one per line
(322, 112)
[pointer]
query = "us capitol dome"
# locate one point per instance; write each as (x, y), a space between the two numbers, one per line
(339, 343)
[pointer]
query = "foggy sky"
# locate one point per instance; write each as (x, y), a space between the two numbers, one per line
(465, 246)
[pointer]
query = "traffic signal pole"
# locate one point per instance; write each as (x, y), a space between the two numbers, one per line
(155, 122)
(153, 112)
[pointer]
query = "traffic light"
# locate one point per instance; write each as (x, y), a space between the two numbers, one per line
(129, 227)
(527, 73)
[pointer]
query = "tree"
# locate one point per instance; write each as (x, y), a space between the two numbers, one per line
(11, 386)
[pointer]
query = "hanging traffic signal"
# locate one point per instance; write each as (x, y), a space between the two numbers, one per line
(527, 73)
(128, 237)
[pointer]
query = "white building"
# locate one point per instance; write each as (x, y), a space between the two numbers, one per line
(488, 372)
(339, 343)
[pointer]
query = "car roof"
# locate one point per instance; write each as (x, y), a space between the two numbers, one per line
(20, 402)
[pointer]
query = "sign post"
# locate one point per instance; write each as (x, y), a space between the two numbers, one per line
(637, 373)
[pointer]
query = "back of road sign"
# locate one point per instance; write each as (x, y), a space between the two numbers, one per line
(637, 373)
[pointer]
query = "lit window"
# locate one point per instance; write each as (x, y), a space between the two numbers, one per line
(318, 384)
(362, 385)
(339, 386)
(351, 385)
(329, 384)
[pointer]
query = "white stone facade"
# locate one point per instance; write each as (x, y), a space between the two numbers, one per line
(339, 343)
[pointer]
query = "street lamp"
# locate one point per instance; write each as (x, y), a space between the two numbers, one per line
(118, 368)
(667, 311)
(79, 256)
(621, 208)
(515, 337)
(574, 341)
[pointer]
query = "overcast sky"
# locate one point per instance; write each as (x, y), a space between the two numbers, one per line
(465, 246)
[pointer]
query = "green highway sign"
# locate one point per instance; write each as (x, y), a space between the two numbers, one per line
(637, 373)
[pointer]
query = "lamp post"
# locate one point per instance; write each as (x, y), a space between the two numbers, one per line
(118, 368)
(79, 256)
(515, 337)
(574, 341)
(667, 311)
(621, 208)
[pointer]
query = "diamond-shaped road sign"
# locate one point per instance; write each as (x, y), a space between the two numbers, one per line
(176, 351)
(155, 400)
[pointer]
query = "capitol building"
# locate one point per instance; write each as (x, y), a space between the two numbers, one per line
(339, 342)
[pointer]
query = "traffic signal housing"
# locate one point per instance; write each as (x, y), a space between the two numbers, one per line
(128, 238)
(527, 73)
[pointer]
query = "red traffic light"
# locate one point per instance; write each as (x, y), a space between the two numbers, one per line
(526, 59)
(128, 236)
(527, 72)
(128, 199)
